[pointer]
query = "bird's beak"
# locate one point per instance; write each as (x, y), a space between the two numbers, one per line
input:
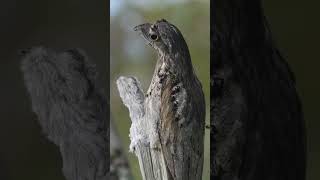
(143, 30)
(142, 27)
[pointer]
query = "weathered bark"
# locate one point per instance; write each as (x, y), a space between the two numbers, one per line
(152, 165)
(256, 117)
(72, 110)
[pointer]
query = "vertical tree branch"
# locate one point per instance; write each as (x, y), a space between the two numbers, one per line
(71, 109)
(152, 165)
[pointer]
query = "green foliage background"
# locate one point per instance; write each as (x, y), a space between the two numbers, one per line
(131, 56)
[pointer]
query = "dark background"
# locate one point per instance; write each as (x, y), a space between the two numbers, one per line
(24, 152)
(295, 26)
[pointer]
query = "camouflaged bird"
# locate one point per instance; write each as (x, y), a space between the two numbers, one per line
(178, 100)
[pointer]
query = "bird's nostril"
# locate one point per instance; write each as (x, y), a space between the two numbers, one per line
(154, 27)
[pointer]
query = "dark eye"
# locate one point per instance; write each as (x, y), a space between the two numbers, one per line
(154, 37)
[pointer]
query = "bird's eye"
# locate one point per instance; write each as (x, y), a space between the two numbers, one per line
(154, 37)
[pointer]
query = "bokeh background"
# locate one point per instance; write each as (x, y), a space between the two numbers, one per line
(130, 55)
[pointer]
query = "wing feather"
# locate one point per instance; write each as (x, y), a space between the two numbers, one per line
(182, 111)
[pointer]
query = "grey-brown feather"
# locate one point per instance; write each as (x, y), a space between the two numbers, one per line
(182, 117)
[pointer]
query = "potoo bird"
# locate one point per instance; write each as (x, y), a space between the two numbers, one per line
(178, 101)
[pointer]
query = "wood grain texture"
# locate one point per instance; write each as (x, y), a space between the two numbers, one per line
(152, 165)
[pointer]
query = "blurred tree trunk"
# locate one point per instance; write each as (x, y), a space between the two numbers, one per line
(71, 108)
(256, 116)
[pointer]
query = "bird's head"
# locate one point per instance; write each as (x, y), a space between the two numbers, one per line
(164, 37)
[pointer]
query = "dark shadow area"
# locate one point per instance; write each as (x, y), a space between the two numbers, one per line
(296, 29)
(295, 33)
(61, 24)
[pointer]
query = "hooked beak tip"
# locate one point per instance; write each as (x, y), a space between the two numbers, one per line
(136, 28)
(141, 27)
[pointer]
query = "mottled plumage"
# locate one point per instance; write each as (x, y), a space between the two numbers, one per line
(179, 99)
